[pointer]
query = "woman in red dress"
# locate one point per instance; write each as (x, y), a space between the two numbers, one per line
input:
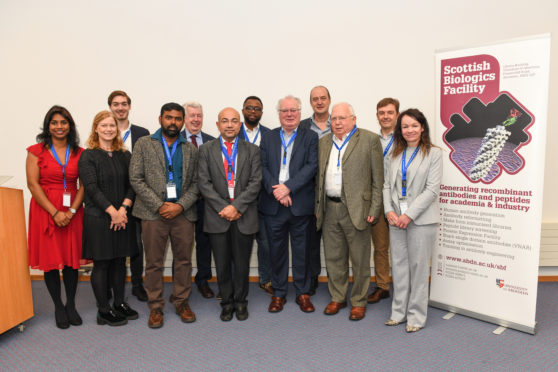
(55, 213)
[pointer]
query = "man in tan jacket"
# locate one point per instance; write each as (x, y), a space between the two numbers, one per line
(348, 202)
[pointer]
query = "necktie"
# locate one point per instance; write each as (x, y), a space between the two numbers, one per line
(194, 142)
(230, 176)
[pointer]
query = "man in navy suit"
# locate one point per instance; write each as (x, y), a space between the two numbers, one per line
(289, 165)
(252, 131)
(120, 104)
(193, 123)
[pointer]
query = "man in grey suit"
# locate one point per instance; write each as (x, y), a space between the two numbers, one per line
(164, 175)
(230, 178)
(348, 201)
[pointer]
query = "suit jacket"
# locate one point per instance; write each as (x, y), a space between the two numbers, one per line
(149, 180)
(363, 177)
(205, 137)
(137, 132)
(306, 123)
(215, 192)
(424, 176)
(302, 169)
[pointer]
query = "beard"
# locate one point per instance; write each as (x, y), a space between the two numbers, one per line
(251, 123)
(171, 131)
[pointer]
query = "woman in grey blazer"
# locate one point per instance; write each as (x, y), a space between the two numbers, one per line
(411, 187)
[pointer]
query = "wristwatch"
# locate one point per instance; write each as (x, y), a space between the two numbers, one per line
(72, 210)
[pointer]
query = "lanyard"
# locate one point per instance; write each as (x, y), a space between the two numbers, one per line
(285, 147)
(126, 135)
(65, 162)
(343, 145)
(169, 155)
(388, 146)
(229, 159)
(404, 168)
(246, 134)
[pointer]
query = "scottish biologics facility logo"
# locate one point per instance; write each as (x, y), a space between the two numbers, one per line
(500, 283)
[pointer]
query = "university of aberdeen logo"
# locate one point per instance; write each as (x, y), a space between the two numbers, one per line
(500, 283)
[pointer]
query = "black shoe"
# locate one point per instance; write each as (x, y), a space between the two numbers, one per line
(219, 297)
(139, 292)
(313, 286)
(227, 314)
(112, 318)
(61, 318)
(205, 291)
(241, 312)
(73, 316)
(126, 311)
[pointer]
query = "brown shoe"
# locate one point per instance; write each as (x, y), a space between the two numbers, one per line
(155, 319)
(267, 287)
(357, 312)
(276, 304)
(333, 307)
(205, 290)
(186, 314)
(304, 303)
(377, 295)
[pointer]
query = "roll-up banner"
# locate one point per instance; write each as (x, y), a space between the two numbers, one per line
(492, 103)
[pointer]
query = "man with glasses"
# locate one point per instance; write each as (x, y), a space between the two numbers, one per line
(289, 164)
(348, 201)
(320, 123)
(252, 131)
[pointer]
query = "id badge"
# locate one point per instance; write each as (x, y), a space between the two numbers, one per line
(403, 205)
(171, 190)
(283, 173)
(66, 199)
(231, 193)
(337, 178)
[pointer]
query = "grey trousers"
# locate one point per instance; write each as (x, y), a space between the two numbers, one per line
(341, 241)
(410, 259)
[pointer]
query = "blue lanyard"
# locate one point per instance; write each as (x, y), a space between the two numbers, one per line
(404, 168)
(126, 135)
(65, 162)
(285, 147)
(229, 159)
(388, 146)
(246, 135)
(169, 155)
(343, 145)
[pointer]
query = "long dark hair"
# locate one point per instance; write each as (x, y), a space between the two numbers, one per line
(399, 142)
(45, 138)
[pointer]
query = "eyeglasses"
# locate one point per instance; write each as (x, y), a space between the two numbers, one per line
(286, 111)
(253, 108)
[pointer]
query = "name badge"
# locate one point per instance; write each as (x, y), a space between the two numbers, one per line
(337, 176)
(66, 199)
(171, 190)
(283, 173)
(403, 205)
(231, 192)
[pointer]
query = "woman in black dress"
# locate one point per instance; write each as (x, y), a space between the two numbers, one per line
(107, 237)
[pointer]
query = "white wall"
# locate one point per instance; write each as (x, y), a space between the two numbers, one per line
(74, 53)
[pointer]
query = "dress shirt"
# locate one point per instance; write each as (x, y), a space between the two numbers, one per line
(284, 176)
(318, 130)
(252, 133)
(176, 161)
(331, 188)
(199, 139)
(128, 142)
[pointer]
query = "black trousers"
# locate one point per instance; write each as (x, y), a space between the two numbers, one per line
(232, 249)
(136, 261)
(203, 248)
(314, 239)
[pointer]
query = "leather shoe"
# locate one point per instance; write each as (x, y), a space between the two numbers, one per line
(126, 311)
(227, 313)
(155, 319)
(61, 318)
(333, 307)
(73, 316)
(241, 312)
(218, 296)
(313, 285)
(205, 291)
(276, 304)
(186, 314)
(139, 292)
(267, 287)
(112, 318)
(304, 303)
(378, 295)
(357, 312)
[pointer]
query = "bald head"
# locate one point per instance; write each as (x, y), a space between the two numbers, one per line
(229, 123)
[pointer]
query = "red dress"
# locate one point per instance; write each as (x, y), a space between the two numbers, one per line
(52, 247)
